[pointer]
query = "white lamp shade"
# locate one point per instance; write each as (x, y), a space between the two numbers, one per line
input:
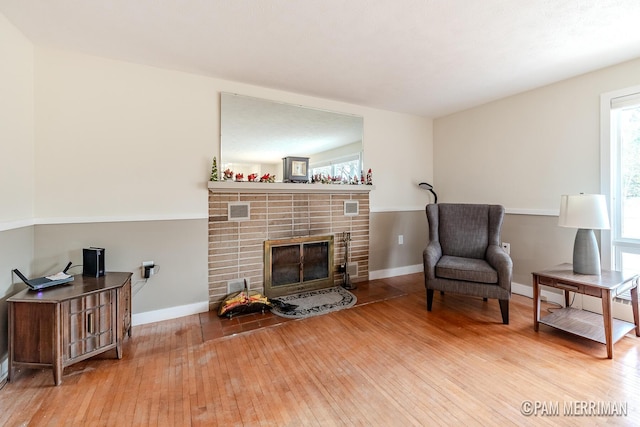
(587, 211)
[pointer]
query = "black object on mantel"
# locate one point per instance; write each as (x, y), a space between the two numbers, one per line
(429, 187)
(93, 262)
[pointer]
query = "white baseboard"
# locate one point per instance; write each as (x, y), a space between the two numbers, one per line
(516, 288)
(398, 271)
(169, 313)
(4, 371)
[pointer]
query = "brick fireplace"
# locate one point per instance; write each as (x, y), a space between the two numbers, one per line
(242, 216)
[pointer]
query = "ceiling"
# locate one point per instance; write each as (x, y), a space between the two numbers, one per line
(425, 57)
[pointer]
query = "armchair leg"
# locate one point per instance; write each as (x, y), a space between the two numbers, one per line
(504, 309)
(429, 299)
(484, 299)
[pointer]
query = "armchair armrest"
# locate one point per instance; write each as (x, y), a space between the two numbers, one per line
(502, 263)
(430, 257)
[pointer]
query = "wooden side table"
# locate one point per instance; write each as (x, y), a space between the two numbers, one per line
(601, 328)
(59, 326)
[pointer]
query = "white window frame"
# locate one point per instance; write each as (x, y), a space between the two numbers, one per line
(609, 187)
(336, 161)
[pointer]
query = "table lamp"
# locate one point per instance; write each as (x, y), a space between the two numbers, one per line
(585, 212)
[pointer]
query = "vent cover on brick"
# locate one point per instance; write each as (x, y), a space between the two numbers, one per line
(351, 208)
(236, 285)
(238, 211)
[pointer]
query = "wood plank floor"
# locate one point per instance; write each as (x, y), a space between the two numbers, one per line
(385, 362)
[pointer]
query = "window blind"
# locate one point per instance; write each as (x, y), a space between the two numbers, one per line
(621, 102)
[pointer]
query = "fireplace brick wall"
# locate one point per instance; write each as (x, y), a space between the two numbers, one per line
(236, 247)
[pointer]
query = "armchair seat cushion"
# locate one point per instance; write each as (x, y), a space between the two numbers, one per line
(466, 269)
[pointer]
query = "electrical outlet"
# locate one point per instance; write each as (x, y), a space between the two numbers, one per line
(148, 269)
(400, 239)
(506, 247)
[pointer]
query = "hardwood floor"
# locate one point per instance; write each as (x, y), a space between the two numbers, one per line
(385, 362)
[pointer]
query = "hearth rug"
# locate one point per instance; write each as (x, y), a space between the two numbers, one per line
(313, 303)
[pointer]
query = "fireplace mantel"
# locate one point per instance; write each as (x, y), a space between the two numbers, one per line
(285, 187)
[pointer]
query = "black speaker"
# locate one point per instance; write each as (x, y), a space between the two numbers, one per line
(93, 262)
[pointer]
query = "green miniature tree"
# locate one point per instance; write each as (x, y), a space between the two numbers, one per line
(214, 170)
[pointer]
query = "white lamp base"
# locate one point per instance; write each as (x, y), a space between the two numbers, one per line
(586, 256)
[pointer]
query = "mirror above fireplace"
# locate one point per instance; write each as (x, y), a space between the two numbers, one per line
(256, 134)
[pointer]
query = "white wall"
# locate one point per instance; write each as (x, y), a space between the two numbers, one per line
(16, 127)
(399, 149)
(117, 140)
(526, 150)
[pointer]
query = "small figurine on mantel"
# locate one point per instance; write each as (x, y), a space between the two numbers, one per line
(362, 177)
(268, 178)
(228, 174)
(214, 170)
(369, 178)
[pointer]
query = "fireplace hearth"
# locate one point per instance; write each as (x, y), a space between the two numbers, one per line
(297, 265)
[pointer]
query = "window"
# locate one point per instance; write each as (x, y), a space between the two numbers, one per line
(621, 178)
(342, 169)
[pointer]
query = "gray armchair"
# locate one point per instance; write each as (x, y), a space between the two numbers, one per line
(464, 254)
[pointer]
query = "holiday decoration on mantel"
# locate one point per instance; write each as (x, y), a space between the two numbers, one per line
(369, 178)
(320, 178)
(228, 174)
(268, 178)
(214, 170)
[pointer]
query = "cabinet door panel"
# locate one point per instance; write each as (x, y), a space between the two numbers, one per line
(76, 332)
(90, 323)
(35, 330)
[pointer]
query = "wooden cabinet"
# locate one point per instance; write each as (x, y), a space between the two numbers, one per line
(57, 327)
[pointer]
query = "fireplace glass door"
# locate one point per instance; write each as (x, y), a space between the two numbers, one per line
(315, 260)
(299, 264)
(286, 265)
